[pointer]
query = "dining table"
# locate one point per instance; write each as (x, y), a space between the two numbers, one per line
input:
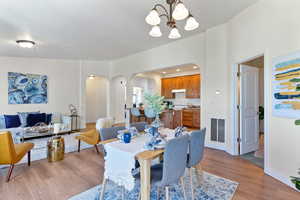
(145, 159)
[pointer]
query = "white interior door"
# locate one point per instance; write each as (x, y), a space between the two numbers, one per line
(249, 107)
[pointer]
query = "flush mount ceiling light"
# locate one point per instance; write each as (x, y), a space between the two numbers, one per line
(176, 11)
(92, 76)
(25, 43)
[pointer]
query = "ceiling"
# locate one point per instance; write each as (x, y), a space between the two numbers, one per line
(95, 29)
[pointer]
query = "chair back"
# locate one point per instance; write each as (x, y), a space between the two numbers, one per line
(196, 147)
(104, 123)
(150, 113)
(175, 158)
(140, 126)
(110, 133)
(7, 148)
(135, 112)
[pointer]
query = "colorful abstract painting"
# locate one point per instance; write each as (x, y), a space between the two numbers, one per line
(286, 86)
(27, 88)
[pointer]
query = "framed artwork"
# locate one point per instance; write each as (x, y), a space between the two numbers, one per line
(27, 88)
(286, 86)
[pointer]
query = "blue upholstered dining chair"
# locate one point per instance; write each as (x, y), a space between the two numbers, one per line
(140, 126)
(136, 113)
(150, 114)
(172, 170)
(110, 133)
(196, 150)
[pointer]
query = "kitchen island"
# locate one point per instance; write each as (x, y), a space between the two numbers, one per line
(189, 117)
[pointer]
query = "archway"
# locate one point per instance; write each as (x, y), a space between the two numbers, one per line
(96, 98)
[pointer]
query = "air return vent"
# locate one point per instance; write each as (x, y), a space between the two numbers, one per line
(217, 130)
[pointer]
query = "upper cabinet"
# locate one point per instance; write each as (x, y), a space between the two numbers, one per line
(166, 88)
(191, 83)
(193, 86)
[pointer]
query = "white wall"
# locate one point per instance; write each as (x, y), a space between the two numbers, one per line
(117, 96)
(270, 27)
(96, 99)
(215, 76)
(65, 82)
(180, 52)
(267, 28)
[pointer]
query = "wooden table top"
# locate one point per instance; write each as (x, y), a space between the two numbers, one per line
(145, 155)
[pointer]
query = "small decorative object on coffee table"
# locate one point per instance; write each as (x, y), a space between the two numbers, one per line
(55, 149)
(40, 127)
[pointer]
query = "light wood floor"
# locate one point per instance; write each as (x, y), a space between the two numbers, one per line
(81, 171)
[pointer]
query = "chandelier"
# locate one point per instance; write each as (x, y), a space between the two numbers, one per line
(176, 11)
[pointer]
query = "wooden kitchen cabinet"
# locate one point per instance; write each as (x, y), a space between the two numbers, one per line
(196, 118)
(171, 118)
(179, 82)
(166, 88)
(191, 83)
(187, 118)
(191, 118)
(177, 118)
(193, 86)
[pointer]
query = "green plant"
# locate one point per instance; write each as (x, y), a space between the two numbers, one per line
(155, 102)
(261, 113)
(296, 181)
(297, 122)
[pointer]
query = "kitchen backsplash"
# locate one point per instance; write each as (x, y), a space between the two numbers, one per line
(181, 100)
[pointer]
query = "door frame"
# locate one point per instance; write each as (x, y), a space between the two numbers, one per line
(235, 103)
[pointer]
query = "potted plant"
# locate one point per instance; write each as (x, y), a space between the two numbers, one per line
(296, 181)
(155, 103)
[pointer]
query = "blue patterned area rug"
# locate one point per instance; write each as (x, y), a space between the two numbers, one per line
(213, 188)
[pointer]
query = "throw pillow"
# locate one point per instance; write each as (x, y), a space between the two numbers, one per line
(23, 117)
(2, 122)
(48, 118)
(12, 121)
(33, 119)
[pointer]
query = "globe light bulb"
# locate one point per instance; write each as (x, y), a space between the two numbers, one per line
(180, 12)
(155, 31)
(153, 18)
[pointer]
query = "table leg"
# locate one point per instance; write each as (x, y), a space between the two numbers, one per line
(145, 179)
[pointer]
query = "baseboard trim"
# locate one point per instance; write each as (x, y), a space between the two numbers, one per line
(280, 177)
(216, 146)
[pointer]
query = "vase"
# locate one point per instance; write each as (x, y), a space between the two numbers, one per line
(156, 123)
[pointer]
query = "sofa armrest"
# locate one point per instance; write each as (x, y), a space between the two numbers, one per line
(16, 133)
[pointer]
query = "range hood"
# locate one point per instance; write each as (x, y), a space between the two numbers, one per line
(179, 91)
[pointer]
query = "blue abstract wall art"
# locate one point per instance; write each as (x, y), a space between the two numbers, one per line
(27, 88)
(286, 86)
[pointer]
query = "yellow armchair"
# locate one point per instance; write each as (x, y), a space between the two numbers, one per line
(12, 153)
(90, 137)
